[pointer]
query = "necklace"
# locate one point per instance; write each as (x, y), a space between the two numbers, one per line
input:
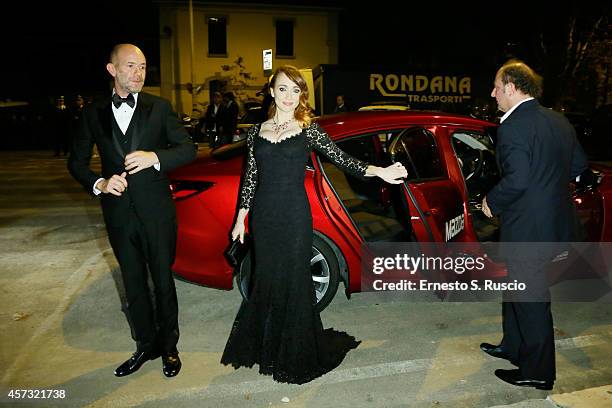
(278, 128)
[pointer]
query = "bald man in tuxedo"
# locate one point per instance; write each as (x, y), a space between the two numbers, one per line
(139, 139)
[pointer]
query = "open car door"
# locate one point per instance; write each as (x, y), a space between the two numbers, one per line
(432, 201)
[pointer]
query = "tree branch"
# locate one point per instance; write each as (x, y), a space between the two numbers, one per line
(582, 51)
(570, 45)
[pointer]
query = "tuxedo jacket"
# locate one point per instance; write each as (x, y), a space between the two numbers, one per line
(154, 127)
(538, 155)
(228, 119)
(213, 119)
(340, 109)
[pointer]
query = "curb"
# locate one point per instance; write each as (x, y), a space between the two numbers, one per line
(597, 397)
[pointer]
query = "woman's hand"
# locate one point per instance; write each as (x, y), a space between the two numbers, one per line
(238, 230)
(392, 174)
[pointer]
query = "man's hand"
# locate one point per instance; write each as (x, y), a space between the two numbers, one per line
(485, 208)
(140, 160)
(115, 185)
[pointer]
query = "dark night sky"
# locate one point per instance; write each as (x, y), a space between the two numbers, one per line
(62, 46)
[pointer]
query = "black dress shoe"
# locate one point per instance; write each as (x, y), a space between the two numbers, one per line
(135, 362)
(514, 377)
(171, 364)
(496, 351)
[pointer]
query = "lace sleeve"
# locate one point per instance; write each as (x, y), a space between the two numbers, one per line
(249, 181)
(320, 141)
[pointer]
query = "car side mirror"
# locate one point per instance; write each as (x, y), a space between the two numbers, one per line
(588, 180)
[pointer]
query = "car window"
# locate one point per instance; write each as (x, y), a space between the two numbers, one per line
(473, 140)
(369, 202)
(417, 150)
(371, 148)
(469, 147)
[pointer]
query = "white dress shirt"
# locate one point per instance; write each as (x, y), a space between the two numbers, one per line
(512, 110)
(216, 109)
(123, 114)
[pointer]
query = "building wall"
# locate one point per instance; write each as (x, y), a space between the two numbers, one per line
(250, 30)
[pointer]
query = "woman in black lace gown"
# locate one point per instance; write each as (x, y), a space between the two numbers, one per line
(278, 327)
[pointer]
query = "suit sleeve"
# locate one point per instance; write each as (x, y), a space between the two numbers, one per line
(579, 159)
(181, 149)
(515, 161)
(80, 154)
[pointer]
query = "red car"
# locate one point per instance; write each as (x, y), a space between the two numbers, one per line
(450, 162)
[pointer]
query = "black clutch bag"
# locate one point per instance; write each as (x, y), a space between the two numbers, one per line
(237, 250)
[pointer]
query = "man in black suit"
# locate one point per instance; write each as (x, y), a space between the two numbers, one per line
(539, 156)
(212, 118)
(139, 139)
(340, 106)
(228, 119)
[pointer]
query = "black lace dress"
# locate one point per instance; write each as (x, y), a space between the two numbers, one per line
(278, 327)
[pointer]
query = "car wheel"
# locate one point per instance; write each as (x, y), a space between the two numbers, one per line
(323, 267)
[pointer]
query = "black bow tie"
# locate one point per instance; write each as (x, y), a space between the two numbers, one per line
(117, 100)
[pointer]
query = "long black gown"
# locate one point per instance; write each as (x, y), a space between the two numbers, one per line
(278, 327)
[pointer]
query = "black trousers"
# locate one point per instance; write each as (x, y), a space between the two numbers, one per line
(145, 248)
(528, 323)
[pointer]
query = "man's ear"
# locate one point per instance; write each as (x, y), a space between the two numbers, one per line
(111, 69)
(511, 88)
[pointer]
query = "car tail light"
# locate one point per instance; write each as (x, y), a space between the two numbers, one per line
(182, 189)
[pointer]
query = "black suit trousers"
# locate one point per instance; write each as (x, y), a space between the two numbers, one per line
(144, 247)
(528, 323)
